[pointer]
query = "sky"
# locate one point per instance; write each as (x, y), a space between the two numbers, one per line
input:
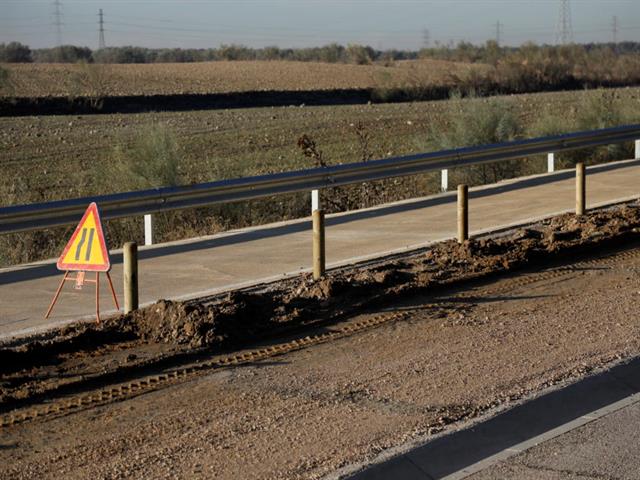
(387, 24)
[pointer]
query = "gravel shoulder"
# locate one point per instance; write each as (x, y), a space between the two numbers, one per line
(456, 355)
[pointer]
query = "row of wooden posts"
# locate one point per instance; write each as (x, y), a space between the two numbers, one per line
(130, 252)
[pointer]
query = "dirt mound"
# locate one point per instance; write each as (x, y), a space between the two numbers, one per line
(243, 316)
(239, 315)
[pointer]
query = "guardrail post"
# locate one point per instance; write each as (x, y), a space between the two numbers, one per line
(444, 180)
(148, 229)
(463, 213)
(315, 200)
(318, 244)
(637, 156)
(130, 276)
(581, 198)
(551, 163)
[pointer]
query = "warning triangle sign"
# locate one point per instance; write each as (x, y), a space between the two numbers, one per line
(87, 249)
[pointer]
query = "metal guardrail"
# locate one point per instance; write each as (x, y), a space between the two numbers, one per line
(66, 212)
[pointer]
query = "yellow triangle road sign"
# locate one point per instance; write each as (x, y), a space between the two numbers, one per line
(87, 248)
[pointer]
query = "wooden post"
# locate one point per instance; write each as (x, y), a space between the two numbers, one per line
(318, 244)
(463, 213)
(130, 253)
(581, 198)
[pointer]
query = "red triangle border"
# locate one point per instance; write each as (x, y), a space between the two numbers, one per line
(93, 207)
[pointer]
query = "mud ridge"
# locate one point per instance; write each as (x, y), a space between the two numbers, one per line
(244, 316)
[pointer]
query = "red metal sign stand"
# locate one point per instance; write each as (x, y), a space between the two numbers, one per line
(79, 279)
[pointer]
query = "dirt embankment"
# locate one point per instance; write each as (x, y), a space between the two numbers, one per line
(245, 316)
(173, 331)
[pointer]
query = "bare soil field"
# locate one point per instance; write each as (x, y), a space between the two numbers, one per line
(299, 379)
(42, 80)
(47, 158)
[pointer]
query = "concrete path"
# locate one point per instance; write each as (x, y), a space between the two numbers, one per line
(239, 258)
(587, 431)
(605, 448)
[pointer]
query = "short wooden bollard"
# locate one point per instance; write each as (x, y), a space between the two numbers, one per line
(130, 253)
(318, 244)
(463, 213)
(581, 196)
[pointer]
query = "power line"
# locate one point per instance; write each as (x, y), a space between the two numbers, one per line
(564, 31)
(101, 43)
(614, 29)
(498, 31)
(426, 37)
(57, 21)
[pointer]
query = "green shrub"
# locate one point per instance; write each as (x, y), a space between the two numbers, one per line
(602, 110)
(360, 54)
(62, 54)
(6, 85)
(90, 81)
(150, 161)
(15, 52)
(478, 122)
(599, 109)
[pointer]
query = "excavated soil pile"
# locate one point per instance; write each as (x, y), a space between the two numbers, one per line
(245, 316)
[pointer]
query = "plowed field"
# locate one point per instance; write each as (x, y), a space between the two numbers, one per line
(40, 80)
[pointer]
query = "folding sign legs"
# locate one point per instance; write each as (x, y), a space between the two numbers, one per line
(79, 279)
(113, 294)
(55, 297)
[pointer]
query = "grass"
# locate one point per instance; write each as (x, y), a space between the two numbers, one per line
(56, 157)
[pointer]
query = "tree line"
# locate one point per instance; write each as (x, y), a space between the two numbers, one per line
(489, 52)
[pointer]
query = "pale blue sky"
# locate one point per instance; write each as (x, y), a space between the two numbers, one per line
(290, 23)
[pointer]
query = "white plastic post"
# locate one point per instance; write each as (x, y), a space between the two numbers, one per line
(551, 165)
(315, 200)
(444, 180)
(637, 149)
(148, 229)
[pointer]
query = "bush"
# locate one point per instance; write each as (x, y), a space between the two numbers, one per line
(235, 52)
(150, 161)
(359, 54)
(63, 54)
(478, 122)
(127, 54)
(6, 85)
(601, 110)
(91, 81)
(15, 52)
(598, 109)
